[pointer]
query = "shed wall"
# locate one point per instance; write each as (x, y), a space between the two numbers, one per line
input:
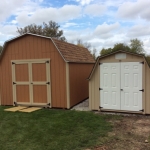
(94, 94)
(33, 47)
(147, 89)
(78, 74)
(94, 82)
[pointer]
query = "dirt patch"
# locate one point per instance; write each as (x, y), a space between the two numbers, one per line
(129, 133)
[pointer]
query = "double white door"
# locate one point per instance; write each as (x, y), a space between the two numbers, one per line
(121, 85)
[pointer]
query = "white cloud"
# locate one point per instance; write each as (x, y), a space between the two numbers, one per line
(84, 2)
(73, 35)
(9, 7)
(7, 32)
(95, 9)
(9, 29)
(14, 22)
(69, 24)
(136, 9)
(138, 31)
(146, 42)
(65, 13)
(116, 3)
(105, 30)
(107, 39)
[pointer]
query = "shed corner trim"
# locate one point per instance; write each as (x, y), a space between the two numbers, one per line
(58, 50)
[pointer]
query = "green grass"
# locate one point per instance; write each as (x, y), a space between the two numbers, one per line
(48, 129)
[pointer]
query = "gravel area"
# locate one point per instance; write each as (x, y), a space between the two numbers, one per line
(83, 106)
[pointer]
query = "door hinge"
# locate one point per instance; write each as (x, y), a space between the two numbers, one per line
(100, 89)
(47, 61)
(48, 83)
(142, 62)
(100, 107)
(100, 63)
(15, 103)
(48, 104)
(14, 83)
(13, 63)
(142, 110)
(142, 90)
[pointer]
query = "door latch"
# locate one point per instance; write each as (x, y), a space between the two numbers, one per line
(142, 90)
(100, 107)
(142, 110)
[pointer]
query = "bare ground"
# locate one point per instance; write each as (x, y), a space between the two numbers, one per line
(130, 132)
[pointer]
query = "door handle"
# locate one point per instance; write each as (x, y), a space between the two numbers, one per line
(31, 83)
(121, 89)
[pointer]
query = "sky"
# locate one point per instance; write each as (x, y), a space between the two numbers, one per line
(102, 23)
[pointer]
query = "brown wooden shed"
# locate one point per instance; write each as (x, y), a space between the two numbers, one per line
(120, 82)
(38, 70)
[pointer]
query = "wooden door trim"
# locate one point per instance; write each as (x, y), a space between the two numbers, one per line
(48, 86)
(13, 80)
(29, 62)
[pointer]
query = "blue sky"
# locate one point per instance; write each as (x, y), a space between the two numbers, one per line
(102, 23)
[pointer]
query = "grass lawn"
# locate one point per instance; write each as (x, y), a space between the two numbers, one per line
(48, 129)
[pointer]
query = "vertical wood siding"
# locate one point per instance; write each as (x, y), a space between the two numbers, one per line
(39, 94)
(38, 72)
(32, 47)
(147, 89)
(94, 94)
(22, 93)
(78, 74)
(94, 82)
(21, 72)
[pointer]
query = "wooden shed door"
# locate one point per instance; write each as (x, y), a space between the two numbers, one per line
(31, 82)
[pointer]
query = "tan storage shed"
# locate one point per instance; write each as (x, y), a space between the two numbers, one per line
(38, 70)
(120, 82)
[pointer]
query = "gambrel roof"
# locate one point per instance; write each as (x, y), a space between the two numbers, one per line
(68, 51)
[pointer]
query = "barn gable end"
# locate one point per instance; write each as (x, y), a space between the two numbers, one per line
(23, 82)
(34, 47)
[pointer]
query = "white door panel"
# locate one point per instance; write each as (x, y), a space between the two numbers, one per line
(131, 83)
(110, 85)
(119, 86)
